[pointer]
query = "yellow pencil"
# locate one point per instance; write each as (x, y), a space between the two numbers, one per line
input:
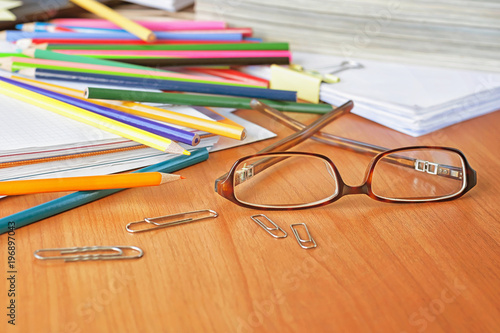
(92, 119)
(146, 111)
(89, 183)
(107, 13)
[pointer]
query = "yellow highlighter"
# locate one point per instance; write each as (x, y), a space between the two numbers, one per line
(89, 183)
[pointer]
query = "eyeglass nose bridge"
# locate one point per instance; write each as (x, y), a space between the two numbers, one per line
(360, 189)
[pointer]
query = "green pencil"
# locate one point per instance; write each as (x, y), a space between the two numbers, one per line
(200, 100)
(10, 65)
(269, 46)
(49, 55)
(3, 55)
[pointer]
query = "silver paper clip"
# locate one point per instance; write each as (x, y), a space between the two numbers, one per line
(152, 225)
(301, 240)
(343, 66)
(110, 253)
(269, 230)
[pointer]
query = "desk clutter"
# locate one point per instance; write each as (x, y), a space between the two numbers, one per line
(93, 97)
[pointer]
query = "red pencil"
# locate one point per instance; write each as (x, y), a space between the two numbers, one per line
(230, 74)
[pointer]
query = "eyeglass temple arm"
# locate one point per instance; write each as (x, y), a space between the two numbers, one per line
(304, 132)
(290, 141)
(358, 146)
(301, 135)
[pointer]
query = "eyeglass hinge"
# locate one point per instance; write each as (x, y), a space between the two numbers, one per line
(245, 173)
(426, 166)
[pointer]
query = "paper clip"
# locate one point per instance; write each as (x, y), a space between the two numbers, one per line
(113, 253)
(302, 241)
(343, 66)
(152, 225)
(269, 230)
(327, 78)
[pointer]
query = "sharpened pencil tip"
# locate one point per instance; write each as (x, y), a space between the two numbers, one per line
(169, 177)
(31, 72)
(42, 46)
(185, 152)
(151, 37)
(30, 52)
(183, 177)
(24, 43)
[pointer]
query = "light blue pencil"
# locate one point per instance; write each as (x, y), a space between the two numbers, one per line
(14, 35)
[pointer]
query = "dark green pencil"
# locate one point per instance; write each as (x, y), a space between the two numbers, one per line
(269, 46)
(200, 100)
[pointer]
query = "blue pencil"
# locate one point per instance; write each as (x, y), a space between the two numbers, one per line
(170, 85)
(14, 35)
(77, 199)
(147, 125)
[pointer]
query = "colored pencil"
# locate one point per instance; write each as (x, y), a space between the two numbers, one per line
(29, 42)
(245, 32)
(229, 74)
(107, 13)
(215, 127)
(9, 87)
(201, 100)
(204, 88)
(15, 63)
(170, 47)
(77, 199)
(154, 127)
(181, 54)
(3, 55)
(14, 35)
(153, 25)
(50, 27)
(89, 183)
(174, 62)
(50, 55)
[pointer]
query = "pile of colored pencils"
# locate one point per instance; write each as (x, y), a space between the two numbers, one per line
(177, 43)
(128, 55)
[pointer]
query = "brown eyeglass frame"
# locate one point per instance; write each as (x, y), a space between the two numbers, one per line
(225, 187)
(313, 130)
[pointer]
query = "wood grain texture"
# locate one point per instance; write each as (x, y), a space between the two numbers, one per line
(378, 267)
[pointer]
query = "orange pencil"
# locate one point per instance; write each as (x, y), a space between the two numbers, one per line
(18, 187)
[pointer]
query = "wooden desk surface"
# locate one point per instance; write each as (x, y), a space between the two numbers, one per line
(378, 267)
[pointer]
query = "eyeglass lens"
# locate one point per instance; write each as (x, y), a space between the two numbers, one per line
(421, 174)
(289, 181)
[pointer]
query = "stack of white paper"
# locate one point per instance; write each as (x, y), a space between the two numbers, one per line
(412, 99)
(452, 33)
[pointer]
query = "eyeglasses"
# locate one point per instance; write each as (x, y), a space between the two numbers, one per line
(298, 180)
